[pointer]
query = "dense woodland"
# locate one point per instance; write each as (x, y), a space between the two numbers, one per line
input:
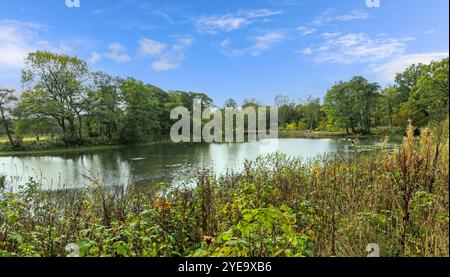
(69, 105)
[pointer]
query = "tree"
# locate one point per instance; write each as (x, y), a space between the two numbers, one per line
(7, 101)
(350, 104)
(387, 103)
(311, 111)
(55, 88)
(230, 103)
(366, 95)
(429, 98)
(35, 126)
(406, 81)
(141, 114)
(104, 108)
(337, 106)
(281, 100)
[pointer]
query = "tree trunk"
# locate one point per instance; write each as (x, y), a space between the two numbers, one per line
(80, 127)
(7, 130)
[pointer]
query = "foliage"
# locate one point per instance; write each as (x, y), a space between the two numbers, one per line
(276, 206)
(63, 100)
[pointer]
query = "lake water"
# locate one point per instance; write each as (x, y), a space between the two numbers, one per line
(157, 163)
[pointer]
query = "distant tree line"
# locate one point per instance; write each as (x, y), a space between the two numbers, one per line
(420, 94)
(64, 100)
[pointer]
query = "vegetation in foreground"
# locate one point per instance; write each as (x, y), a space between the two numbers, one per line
(277, 206)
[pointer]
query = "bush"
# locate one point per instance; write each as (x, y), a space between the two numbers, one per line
(277, 206)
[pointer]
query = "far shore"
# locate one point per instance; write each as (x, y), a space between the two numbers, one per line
(86, 149)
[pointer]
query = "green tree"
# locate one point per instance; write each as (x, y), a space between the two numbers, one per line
(428, 100)
(55, 88)
(7, 102)
(388, 105)
(141, 117)
(105, 101)
(230, 103)
(311, 112)
(351, 104)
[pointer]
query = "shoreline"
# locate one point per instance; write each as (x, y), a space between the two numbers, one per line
(76, 150)
(101, 148)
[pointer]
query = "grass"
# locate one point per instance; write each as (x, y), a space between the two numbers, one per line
(378, 133)
(74, 150)
(277, 206)
(4, 139)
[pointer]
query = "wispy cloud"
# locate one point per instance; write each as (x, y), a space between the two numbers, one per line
(150, 47)
(306, 30)
(357, 48)
(116, 52)
(214, 24)
(259, 44)
(353, 15)
(103, 11)
(94, 57)
(387, 71)
(329, 16)
(165, 16)
(306, 51)
(18, 38)
(174, 56)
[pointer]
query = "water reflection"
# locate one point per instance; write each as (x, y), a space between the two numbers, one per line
(157, 163)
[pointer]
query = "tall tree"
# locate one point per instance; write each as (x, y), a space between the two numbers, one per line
(230, 103)
(55, 88)
(105, 101)
(7, 102)
(429, 98)
(141, 118)
(350, 104)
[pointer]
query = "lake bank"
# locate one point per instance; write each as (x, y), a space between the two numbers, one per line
(76, 150)
(98, 148)
(165, 162)
(277, 207)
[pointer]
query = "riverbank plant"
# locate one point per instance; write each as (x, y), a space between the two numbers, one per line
(333, 205)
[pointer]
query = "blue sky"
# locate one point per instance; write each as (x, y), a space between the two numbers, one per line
(230, 48)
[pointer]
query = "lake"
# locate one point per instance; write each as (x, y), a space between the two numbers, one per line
(172, 163)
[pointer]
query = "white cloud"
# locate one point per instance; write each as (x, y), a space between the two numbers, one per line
(306, 30)
(260, 13)
(17, 39)
(117, 53)
(259, 44)
(328, 17)
(358, 48)
(306, 51)
(225, 43)
(387, 71)
(95, 57)
(164, 65)
(165, 16)
(225, 23)
(214, 24)
(174, 56)
(265, 42)
(353, 15)
(150, 47)
(429, 32)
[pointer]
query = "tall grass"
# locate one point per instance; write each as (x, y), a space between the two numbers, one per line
(277, 206)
